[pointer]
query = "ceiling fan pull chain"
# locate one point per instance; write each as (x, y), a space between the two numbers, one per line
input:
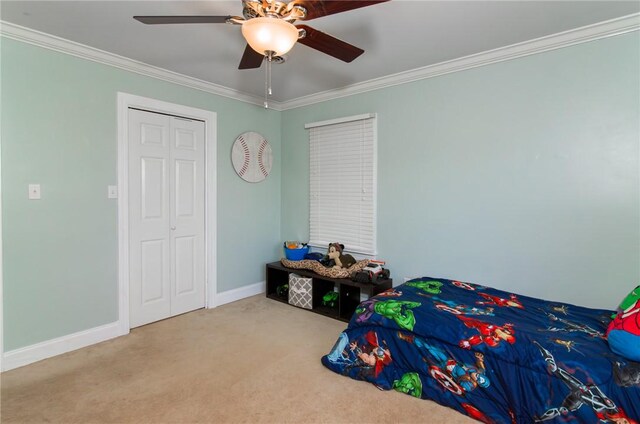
(267, 79)
(269, 62)
(266, 86)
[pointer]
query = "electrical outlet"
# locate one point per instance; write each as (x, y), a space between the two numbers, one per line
(34, 191)
(112, 192)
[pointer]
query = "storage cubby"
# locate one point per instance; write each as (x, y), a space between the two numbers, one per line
(275, 278)
(349, 301)
(349, 292)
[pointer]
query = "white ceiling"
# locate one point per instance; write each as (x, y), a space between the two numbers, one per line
(397, 36)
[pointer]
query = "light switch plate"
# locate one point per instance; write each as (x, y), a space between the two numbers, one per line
(34, 191)
(112, 192)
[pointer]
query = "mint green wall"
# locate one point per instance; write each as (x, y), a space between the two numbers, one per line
(522, 174)
(59, 129)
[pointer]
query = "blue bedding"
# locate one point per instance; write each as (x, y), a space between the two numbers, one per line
(495, 356)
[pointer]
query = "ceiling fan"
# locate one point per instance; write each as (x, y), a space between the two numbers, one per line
(267, 25)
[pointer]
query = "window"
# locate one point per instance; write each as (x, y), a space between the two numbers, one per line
(342, 170)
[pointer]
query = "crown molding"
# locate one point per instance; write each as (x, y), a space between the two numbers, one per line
(52, 42)
(568, 38)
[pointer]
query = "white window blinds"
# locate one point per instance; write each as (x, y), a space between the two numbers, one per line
(343, 177)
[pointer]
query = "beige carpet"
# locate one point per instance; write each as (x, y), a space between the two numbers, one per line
(251, 361)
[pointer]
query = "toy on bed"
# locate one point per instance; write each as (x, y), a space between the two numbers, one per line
(623, 333)
(495, 356)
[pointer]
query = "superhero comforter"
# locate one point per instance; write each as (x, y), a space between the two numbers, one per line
(492, 355)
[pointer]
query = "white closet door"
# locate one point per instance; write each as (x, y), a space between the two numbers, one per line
(166, 216)
(149, 217)
(187, 212)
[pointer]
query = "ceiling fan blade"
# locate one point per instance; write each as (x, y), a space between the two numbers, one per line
(251, 59)
(153, 20)
(318, 8)
(328, 44)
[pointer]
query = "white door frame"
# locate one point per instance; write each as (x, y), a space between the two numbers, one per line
(1, 276)
(125, 101)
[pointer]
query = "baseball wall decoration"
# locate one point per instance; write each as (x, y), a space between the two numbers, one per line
(252, 157)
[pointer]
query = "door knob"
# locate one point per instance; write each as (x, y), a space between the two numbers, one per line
(173, 227)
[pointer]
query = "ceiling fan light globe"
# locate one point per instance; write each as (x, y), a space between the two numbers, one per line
(270, 34)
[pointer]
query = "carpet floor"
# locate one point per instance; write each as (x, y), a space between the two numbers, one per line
(251, 361)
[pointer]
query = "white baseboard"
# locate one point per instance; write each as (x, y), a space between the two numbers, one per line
(240, 293)
(39, 351)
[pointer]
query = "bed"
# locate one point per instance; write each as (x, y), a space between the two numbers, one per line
(495, 356)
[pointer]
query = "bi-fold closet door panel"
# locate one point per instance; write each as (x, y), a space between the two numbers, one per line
(166, 216)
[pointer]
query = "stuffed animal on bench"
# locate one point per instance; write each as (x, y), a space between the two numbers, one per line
(341, 261)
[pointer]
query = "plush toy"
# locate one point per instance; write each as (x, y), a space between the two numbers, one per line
(335, 253)
(623, 333)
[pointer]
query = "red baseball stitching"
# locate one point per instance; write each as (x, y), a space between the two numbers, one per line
(263, 145)
(245, 165)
